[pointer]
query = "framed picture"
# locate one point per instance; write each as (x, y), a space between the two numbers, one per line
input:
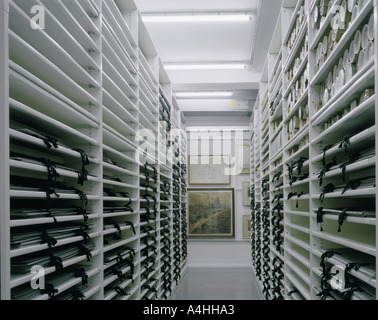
(209, 170)
(243, 162)
(246, 190)
(246, 226)
(211, 213)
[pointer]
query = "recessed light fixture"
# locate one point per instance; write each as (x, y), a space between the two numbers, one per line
(215, 17)
(205, 66)
(203, 94)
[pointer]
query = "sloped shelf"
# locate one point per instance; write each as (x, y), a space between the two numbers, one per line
(325, 23)
(357, 83)
(360, 114)
(294, 52)
(18, 280)
(301, 101)
(360, 220)
(362, 139)
(59, 83)
(52, 50)
(68, 284)
(336, 52)
(62, 150)
(39, 247)
(81, 15)
(299, 284)
(65, 113)
(19, 168)
(354, 244)
(293, 21)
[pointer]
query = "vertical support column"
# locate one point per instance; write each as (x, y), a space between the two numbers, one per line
(311, 101)
(376, 107)
(99, 155)
(4, 154)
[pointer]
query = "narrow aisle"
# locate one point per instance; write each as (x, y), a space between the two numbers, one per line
(218, 284)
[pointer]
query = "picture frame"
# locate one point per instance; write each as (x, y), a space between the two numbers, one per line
(211, 214)
(246, 226)
(246, 193)
(209, 170)
(243, 165)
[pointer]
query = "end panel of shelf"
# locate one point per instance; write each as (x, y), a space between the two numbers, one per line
(4, 156)
(376, 104)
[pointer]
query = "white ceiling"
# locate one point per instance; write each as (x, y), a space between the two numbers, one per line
(200, 6)
(197, 42)
(179, 42)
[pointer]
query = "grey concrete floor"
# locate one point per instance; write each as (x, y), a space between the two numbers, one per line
(218, 284)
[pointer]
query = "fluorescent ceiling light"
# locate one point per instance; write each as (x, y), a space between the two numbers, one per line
(203, 94)
(241, 17)
(205, 66)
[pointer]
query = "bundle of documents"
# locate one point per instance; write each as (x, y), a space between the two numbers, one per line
(345, 256)
(51, 286)
(29, 213)
(25, 263)
(32, 235)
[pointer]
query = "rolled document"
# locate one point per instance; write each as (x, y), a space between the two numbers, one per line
(371, 28)
(365, 37)
(361, 60)
(354, 12)
(351, 4)
(357, 42)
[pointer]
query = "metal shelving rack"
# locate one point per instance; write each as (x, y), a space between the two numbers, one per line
(322, 153)
(79, 172)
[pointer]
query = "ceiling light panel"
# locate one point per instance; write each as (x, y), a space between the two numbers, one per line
(206, 66)
(179, 18)
(213, 94)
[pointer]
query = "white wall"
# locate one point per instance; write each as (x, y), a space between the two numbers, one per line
(215, 119)
(223, 253)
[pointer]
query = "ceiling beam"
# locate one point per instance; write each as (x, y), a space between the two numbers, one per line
(254, 34)
(269, 11)
(218, 79)
(232, 106)
(224, 86)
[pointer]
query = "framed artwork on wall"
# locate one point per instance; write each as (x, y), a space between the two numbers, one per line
(246, 190)
(246, 226)
(211, 213)
(209, 170)
(243, 159)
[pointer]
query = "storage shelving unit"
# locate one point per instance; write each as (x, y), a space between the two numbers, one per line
(86, 207)
(321, 156)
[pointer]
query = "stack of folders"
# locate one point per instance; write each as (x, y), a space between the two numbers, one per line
(48, 140)
(363, 155)
(51, 285)
(119, 255)
(344, 256)
(30, 213)
(32, 235)
(115, 209)
(366, 268)
(23, 184)
(363, 183)
(38, 161)
(47, 258)
(75, 293)
(351, 213)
